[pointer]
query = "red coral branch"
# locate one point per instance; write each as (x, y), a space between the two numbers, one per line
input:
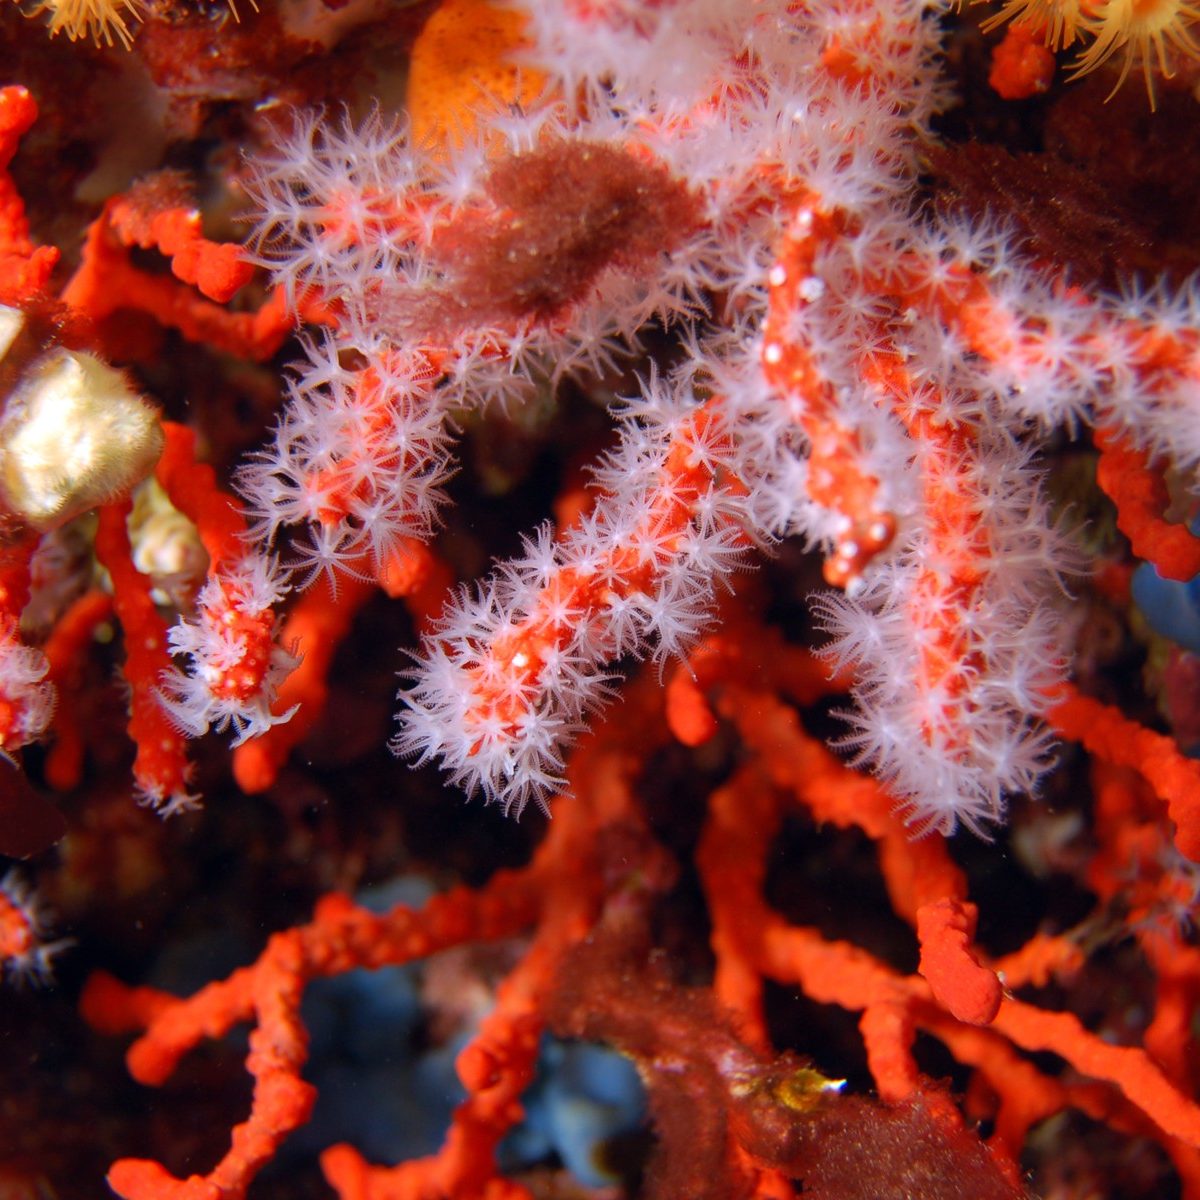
(1140, 493)
(24, 268)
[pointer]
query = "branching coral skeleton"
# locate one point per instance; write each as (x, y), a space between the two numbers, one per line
(596, 867)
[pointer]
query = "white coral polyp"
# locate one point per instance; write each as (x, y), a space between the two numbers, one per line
(26, 697)
(907, 326)
(234, 666)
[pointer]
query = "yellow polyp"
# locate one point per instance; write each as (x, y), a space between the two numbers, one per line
(1145, 33)
(105, 22)
(799, 1089)
(234, 12)
(1060, 20)
(466, 61)
(100, 20)
(804, 1090)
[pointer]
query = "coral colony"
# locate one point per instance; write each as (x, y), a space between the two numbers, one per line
(840, 586)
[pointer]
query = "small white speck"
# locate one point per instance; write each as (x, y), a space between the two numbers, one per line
(811, 289)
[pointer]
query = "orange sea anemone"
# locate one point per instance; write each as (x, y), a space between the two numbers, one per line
(1060, 19)
(1145, 31)
(103, 21)
(100, 20)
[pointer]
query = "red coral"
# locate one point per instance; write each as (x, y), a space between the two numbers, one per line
(903, 358)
